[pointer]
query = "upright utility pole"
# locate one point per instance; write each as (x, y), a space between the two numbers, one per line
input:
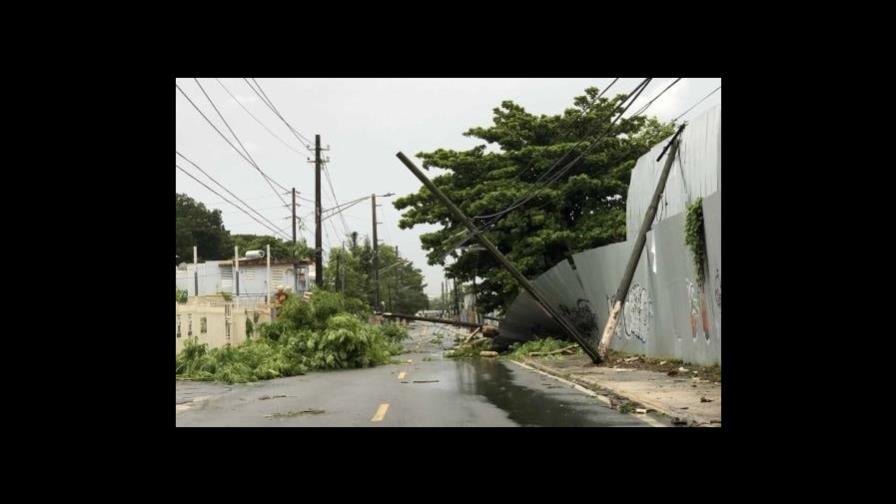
(336, 280)
(195, 272)
(456, 301)
(376, 259)
(295, 264)
(236, 272)
(318, 239)
(267, 283)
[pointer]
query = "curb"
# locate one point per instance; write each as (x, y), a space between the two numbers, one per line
(672, 414)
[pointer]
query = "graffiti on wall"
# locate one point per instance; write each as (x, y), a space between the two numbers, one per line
(636, 314)
(699, 317)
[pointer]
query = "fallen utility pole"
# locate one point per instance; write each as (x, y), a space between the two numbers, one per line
(429, 319)
(521, 280)
(616, 309)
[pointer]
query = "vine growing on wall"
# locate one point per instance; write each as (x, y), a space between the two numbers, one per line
(695, 238)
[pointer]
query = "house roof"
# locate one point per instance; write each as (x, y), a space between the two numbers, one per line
(263, 262)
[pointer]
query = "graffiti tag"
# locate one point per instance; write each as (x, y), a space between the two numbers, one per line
(636, 314)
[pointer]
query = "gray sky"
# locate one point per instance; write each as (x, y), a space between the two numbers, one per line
(365, 122)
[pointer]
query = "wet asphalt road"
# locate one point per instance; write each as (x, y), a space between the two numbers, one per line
(436, 392)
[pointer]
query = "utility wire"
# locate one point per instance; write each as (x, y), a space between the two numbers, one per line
(290, 147)
(222, 197)
(698, 103)
(228, 190)
(268, 179)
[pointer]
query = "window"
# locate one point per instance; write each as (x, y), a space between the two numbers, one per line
(203, 325)
(189, 324)
(178, 326)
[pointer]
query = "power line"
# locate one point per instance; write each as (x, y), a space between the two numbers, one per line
(698, 103)
(277, 111)
(268, 179)
(253, 198)
(232, 194)
(333, 192)
(340, 210)
(254, 163)
(226, 189)
(290, 147)
(265, 208)
(642, 109)
(222, 197)
(270, 105)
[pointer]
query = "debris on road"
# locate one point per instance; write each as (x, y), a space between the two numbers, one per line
(704, 399)
(488, 353)
(426, 381)
(310, 411)
(642, 411)
(266, 397)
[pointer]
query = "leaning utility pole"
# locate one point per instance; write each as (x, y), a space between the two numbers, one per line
(318, 239)
(376, 260)
(635, 256)
(568, 327)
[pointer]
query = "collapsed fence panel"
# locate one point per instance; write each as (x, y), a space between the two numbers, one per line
(525, 320)
(562, 287)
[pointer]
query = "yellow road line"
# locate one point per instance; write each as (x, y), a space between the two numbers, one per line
(401, 375)
(380, 413)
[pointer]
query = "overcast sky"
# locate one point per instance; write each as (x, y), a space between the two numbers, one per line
(365, 122)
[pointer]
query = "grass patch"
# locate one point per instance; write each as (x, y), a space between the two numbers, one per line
(626, 407)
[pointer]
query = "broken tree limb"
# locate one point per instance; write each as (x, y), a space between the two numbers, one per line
(616, 310)
(561, 350)
(472, 334)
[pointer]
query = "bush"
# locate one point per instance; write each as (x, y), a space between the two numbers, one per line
(695, 238)
(180, 295)
(308, 335)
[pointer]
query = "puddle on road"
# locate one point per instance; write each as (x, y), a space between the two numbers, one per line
(494, 380)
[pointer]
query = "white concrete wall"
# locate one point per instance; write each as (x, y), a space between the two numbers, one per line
(217, 333)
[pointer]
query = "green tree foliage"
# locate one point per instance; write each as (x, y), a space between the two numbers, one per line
(199, 226)
(350, 271)
(585, 208)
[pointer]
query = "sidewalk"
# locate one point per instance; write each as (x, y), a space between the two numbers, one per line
(678, 397)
